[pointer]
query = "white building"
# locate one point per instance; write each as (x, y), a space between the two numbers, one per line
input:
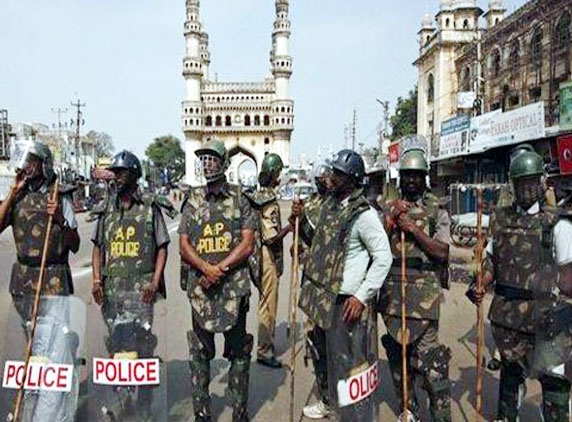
(252, 118)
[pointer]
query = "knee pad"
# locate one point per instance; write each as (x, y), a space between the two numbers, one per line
(434, 363)
(239, 351)
(197, 349)
(391, 346)
(554, 383)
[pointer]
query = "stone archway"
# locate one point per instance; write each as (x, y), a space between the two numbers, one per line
(243, 167)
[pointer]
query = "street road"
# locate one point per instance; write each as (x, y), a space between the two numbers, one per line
(269, 388)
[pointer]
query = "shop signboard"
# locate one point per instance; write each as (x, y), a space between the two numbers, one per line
(566, 106)
(565, 154)
(480, 138)
(454, 137)
(518, 125)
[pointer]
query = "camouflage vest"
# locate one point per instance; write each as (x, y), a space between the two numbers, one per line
(525, 271)
(423, 288)
(29, 222)
(214, 231)
(129, 247)
(323, 274)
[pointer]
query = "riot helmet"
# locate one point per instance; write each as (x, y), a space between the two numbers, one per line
(413, 171)
(349, 162)
(414, 159)
(214, 160)
(28, 151)
(272, 165)
(321, 174)
(128, 161)
(525, 171)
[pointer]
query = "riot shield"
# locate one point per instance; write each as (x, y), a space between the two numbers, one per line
(46, 389)
(126, 374)
(353, 368)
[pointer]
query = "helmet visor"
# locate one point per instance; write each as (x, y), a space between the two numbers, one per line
(22, 154)
(211, 166)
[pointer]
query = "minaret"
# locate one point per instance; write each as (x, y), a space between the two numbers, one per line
(193, 63)
(281, 67)
(426, 30)
(205, 55)
(445, 18)
(495, 14)
(466, 15)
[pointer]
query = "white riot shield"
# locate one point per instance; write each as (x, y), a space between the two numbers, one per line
(353, 368)
(126, 375)
(49, 384)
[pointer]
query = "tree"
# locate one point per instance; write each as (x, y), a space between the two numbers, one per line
(103, 142)
(404, 121)
(166, 154)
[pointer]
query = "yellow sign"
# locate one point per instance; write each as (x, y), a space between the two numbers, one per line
(214, 239)
(123, 246)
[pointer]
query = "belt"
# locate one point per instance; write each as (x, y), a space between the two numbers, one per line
(37, 262)
(515, 293)
(416, 264)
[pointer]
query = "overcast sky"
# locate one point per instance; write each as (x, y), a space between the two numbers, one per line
(123, 59)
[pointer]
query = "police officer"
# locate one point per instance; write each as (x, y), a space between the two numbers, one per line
(130, 243)
(349, 258)
(216, 238)
(272, 234)
(427, 232)
(529, 258)
(26, 209)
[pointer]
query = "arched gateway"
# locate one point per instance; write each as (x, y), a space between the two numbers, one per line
(252, 118)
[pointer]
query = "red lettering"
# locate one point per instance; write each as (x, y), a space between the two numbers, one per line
(30, 376)
(11, 372)
(152, 375)
(99, 368)
(20, 375)
(354, 389)
(62, 375)
(136, 376)
(111, 366)
(363, 391)
(47, 382)
(121, 368)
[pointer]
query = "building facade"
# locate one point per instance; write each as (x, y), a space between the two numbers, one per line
(252, 118)
(505, 68)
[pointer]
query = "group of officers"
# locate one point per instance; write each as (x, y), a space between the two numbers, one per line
(360, 257)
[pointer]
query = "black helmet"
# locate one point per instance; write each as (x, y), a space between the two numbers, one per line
(126, 160)
(349, 162)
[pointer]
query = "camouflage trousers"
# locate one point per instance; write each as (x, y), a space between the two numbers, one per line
(517, 349)
(237, 349)
(427, 359)
(267, 306)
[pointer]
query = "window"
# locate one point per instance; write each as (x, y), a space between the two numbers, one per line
(536, 48)
(447, 22)
(257, 120)
(514, 58)
(266, 141)
(562, 33)
(465, 24)
(218, 121)
(466, 79)
(247, 120)
(266, 121)
(430, 88)
(227, 121)
(209, 121)
(496, 63)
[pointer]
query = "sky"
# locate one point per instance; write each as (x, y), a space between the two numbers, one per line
(123, 58)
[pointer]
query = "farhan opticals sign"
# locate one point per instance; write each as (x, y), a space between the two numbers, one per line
(492, 130)
(519, 125)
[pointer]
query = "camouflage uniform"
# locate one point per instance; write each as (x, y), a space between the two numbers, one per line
(29, 219)
(213, 222)
(526, 277)
(129, 240)
(426, 356)
(265, 201)
(323, 275)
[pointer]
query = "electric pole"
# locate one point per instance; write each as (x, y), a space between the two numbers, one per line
(78, 123)
(353, 130)
(59, 111)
